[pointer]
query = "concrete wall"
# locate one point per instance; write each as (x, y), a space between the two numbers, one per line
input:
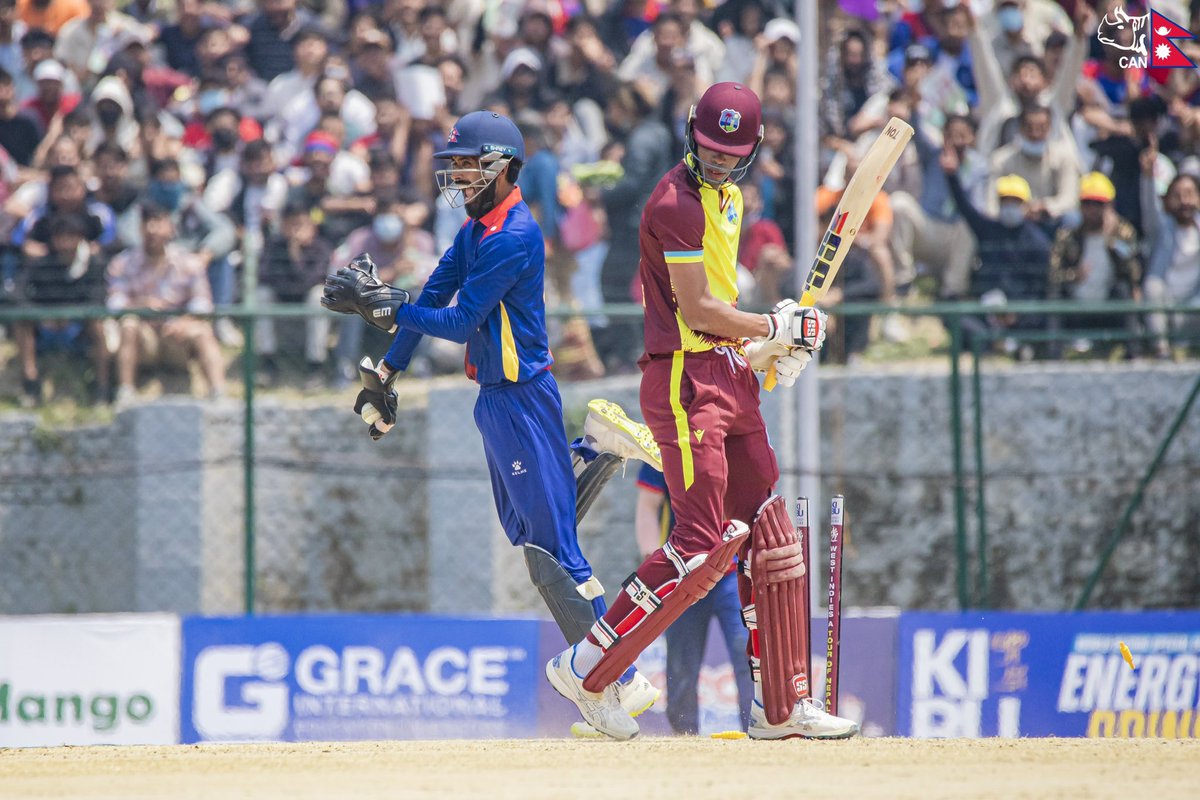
(147, 513)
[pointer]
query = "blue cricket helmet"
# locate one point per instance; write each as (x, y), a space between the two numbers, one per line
(483, 132)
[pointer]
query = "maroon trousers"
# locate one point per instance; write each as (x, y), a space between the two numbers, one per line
(703, 409)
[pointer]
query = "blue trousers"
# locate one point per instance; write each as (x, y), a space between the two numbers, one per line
(530, 466)
(686, 639)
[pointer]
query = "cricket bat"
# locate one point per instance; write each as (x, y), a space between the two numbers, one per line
(856, 201)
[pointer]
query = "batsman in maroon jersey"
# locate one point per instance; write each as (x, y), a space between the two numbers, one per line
(700, 398)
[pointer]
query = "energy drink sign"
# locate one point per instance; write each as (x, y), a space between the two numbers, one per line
(1050, 675)
(358, 677)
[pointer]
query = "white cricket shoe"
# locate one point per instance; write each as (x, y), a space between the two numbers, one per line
(636, 696)
(808, 721)
(602, 711)
(610, 430)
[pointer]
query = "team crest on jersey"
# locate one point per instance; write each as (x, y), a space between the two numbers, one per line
(731, 120)
(731, 214)
(453, 137)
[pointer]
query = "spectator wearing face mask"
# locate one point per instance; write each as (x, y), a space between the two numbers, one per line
(1005, 93)
(1022, 27)
(1014, 253)
(292, 269)
(201, 231)
(405, 256)
(1050, 169)
(114, 122)
(1172, 230)
(223, 127)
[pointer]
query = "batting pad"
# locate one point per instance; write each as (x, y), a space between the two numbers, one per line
(777, 572)
(635, 633)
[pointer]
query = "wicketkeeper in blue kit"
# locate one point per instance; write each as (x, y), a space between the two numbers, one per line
(496, 266)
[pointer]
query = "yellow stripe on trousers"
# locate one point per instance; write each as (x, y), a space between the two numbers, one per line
(508, 347)
(682, 433)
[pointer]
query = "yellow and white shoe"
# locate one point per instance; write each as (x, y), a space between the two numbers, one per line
(610, 430)
(636, 697)
(603, 712)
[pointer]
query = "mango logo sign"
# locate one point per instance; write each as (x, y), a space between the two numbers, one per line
(100, 712)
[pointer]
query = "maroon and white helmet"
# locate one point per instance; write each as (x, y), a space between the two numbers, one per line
(727, 119)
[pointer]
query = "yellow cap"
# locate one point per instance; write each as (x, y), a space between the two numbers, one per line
(1096, 186)
(1013, 186)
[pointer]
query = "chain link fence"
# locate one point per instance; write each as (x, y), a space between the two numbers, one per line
(144, 506)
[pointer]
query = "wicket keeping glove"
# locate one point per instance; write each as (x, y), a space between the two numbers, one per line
(793, 325)
(376, 403)
(357, 289)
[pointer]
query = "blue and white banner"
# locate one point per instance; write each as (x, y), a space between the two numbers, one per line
(1049, 675)
(357, 677)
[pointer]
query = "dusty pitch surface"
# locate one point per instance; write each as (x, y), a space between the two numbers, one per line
(691, 768)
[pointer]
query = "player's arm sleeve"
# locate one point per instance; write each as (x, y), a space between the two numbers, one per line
(501, 260)
(679, 225)
(441, 286)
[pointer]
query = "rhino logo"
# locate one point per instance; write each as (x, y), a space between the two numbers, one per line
(1113, 31)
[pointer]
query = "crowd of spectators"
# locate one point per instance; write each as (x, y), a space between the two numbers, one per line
(176, 155)
(1051, 161)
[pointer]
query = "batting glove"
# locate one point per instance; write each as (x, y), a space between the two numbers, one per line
(789, 367)
(793, 325)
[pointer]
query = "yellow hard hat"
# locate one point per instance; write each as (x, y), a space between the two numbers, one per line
(1096, 186)
(1014, 186)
